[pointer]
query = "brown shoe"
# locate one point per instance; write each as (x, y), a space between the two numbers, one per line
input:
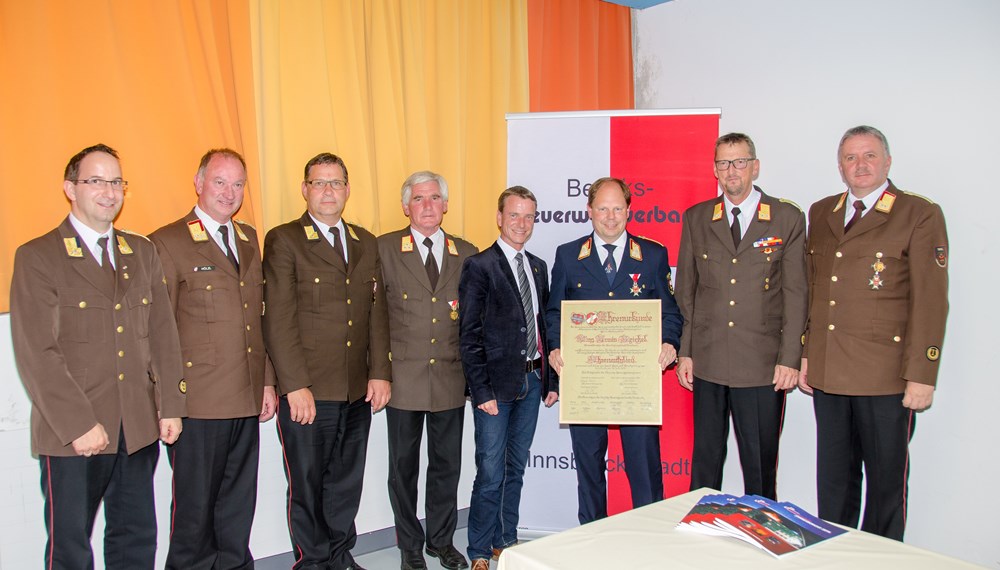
(480, 564)
(496, 553)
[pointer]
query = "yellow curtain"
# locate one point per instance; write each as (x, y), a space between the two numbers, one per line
(391, 86)
(159, 81)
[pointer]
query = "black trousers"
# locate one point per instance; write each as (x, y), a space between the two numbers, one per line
(73, 488)
(758, 414)
(874, 431)
(444, 466)
(214, 494)
(325, 468)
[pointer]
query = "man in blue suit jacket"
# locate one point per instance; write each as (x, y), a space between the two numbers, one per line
(613, 264)
(502, 342)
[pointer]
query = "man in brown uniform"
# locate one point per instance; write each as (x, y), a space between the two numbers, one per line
(878, 302)
(421, 265)
(741, 286)
(326, 328)
(96, 347)
(213, 272)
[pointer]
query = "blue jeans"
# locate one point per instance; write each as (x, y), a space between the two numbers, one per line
(502, 443)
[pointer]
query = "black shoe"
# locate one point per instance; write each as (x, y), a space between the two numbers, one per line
(356, 566)
(449, 556)
(412, 560)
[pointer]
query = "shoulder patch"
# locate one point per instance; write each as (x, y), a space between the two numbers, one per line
(785, 201)
(651, 240)
(929, 201)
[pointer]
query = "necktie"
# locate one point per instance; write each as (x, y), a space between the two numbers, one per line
(337, 246)
(531, 337)
(859, 208)
(735, 228)
(430, 264)
(224, 232)
(108, 269)
(609, 266)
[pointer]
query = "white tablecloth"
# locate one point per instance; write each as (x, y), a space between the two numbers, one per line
(648, 538)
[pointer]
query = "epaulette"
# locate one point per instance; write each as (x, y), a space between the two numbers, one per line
(245, 223)
(652, 240)
(131, 233)
(787, 201)
(908, 193)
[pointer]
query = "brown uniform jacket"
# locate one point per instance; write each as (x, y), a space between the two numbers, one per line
(423, 323)
(325, 328)
(878, 297)
(90, 353)
(218, 317)
(744, 308)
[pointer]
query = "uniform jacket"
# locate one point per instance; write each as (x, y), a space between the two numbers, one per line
(878, 297)
(88, 353)
(744, 308)
(218, 317)
(491, 326)
(325, 328)
(423, 323)
(577, 274)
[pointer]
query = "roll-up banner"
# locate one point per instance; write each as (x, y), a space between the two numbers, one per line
(665, 156)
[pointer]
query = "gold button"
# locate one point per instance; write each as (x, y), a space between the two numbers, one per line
(831, 327)
(145, 301)
(834, 279)
(249, 349)
(733, 281)
(766, 287)
(348, 343)
(83, 304)
(769, 258)
(433, 340)
(118, 306)
(611, 293)
(767, 280)
(704, 256)
(839, 254)
(246, 306)
(434, 319)
(348, 301)
(434, 299)
(731, 324)
(182, 386)
(833, 303)
(432, 361)
(734, 260)
(121, 377)
(121, 354)
(316, 280)
(208, 287)
(242, 284)
(350, 323)
(896, 339)
(879, 255)
(189, 364)
(120, 329)
(248, 327)
(348, 281)
(578, 285)
(405, 297)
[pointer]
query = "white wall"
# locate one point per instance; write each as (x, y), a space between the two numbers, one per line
(794, 75)
(22, 528)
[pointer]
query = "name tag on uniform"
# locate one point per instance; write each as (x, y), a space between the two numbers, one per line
(204, 268)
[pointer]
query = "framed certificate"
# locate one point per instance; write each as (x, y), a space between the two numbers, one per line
(611, 373)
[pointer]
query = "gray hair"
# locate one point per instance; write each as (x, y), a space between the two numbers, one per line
(421, 177)
(864, 130)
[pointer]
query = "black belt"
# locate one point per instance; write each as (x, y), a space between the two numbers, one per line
(532, 365)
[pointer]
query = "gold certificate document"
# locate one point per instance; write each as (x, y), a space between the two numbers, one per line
(610, 370)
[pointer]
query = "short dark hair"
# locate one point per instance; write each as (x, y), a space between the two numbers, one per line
(325, 158)
(864, 130)
(609, 180)
(517, 191)
(226, 152)
(736, 138)
(73, 166)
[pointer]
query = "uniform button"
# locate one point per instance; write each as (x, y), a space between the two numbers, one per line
(120, 329)
(242, 284)
(121, 377)
(316, 280)
(118, 306)
(83, 304)
(434, 319)
(733, 281)
(249, 349)
(432, 361)
(878, 255)
(189, 364)
(734, 260)
(433, 340)
(767, 280)
(208, 287)
(246, 306)
(731, 324)
(348, 301)
(434, 299)
(578, 285)
(831, 327)
(833, 303)
(732, 303)
(347, 281)
(405, 296)
(248, 327)
(769, 258)
(839, 254)
(611, 293)
(121, 354)
(348, 343)
(896, 339)
(704, 256)
(766, 286)
(350, 323)
(834, 279)
(145, 301)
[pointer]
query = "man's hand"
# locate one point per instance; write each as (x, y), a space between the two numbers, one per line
(918, 397)
(170, 430)
(804, 379)
(785, 377)
(556, 361)
(551, 398)
(489, 407)
(668, 355)
(270, 404)
(685, 372)
(91, 443)
(379, 392)
(302, 406)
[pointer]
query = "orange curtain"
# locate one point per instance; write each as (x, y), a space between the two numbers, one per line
(161, 82)
(579, 55)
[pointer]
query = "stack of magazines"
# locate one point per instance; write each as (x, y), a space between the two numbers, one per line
(778, 528)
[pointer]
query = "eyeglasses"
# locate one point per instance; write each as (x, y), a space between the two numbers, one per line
(739, 163)
(117, 183)
(320, 184)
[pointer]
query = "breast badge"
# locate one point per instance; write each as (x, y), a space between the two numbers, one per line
(454, 309)
(876, 281)
(636, 289)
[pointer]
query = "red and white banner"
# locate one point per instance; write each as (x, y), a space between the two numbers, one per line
(666, 159)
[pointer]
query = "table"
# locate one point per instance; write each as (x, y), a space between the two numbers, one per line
(647, 538)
